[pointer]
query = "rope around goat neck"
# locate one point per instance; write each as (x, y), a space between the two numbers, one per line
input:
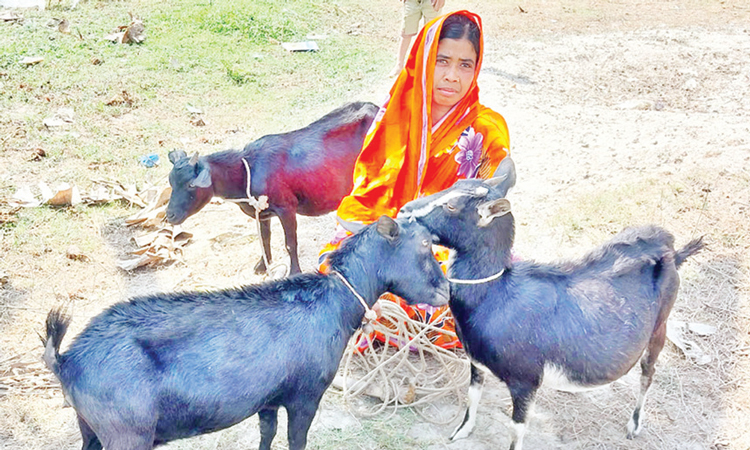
(370, 315)
(479, 281)
(259, 204)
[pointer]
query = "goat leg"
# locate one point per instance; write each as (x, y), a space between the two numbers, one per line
(475, 394)
(288, 218)
(130, 441)
(522, 393)
(648, 361)
(268, 423)
(301, 415)
(265, 239)
(90, 440)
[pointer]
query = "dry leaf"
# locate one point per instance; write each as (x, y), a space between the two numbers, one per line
(162, 246)
(61, 117)
(182, 236)
(46, 191)
(128, 193)
(121, 99)
(9, 16)
(135, 33)
(31, 60)
(198, 122)
(75, 253)
(98, 195)
(134, 263)
(676, 332)
(24, 198)
(37, 154)
(410, 394)
(64, 26)
(53, 122)
(115, 37)
(152, 215)
(65, 196)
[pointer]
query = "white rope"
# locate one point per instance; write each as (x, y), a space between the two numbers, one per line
(259, 204)
(480, 281)
(416, 375)
(370, 315)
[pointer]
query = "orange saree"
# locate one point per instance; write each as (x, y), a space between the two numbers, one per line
(405, 156)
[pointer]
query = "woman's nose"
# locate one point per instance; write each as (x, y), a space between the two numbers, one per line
(452, 73)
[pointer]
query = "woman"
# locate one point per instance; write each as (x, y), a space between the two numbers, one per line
(431, 132)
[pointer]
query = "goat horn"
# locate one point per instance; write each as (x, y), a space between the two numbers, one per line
(492, 182)
(352, 227)
(194, 159)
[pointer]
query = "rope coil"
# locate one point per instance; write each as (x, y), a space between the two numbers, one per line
(415, 374)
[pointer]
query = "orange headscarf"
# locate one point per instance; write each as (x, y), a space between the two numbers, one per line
(404, 155)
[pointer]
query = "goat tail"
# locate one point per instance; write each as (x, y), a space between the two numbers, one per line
(690, 249)
(57, 325)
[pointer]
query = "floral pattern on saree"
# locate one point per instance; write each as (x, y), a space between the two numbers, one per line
(470, 153)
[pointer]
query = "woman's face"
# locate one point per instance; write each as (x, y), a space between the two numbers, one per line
(454, 72)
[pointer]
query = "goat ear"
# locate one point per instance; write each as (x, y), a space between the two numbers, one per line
(388, 228)
(203, 180)
(194, 159)
(489, 210)
(176, 155)
(504, 177)
(352, 227)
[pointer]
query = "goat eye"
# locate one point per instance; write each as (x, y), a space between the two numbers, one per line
(450, 207)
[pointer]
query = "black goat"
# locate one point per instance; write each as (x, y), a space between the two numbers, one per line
(170, 366)
(306, 171)
(573, 325)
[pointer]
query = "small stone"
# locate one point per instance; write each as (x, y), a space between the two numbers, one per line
(75, 253)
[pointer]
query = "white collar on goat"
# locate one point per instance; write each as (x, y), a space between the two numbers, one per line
(370, 315)
(479, 281)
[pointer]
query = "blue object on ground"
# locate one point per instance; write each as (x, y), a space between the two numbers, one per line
(149, 160)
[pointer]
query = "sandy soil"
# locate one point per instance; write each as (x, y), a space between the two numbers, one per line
(622, 113)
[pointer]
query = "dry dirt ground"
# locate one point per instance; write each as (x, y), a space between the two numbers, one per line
(621, 113)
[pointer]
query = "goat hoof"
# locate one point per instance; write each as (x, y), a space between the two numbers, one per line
(260, 268)
(634, 429)
(460, 433)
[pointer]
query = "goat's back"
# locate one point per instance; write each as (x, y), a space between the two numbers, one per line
(311, 167)
(593, 317)
(203, 347)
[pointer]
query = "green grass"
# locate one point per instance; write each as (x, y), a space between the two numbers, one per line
(220, 53)
(221, 56)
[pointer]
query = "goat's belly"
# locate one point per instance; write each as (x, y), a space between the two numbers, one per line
(556, 378)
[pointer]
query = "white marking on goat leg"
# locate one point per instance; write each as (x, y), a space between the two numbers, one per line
(635, 424)
(555, 377)
(467, 426)
(519, 431)
(438, 202)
